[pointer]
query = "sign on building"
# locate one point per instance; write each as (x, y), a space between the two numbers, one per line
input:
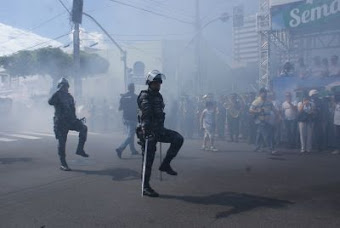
(307, 16)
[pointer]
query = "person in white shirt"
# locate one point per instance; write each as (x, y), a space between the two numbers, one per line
(289, 110)
(337, 122)
(262, 109)
(306, 111)
(208, 123)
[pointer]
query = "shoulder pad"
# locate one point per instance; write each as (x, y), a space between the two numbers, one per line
(143, 94)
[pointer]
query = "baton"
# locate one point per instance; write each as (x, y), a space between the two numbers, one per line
(160, 161)
(144, 163)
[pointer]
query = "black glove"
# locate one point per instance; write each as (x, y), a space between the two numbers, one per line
(148, 134)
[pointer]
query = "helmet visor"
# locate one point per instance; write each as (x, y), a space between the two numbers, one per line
(155, 76)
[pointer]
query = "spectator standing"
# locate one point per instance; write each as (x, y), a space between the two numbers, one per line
(128, 104)
(251, 119)
(208, 123)
(306, 110)
(337, 122)
(318, 133)
(262, 110)
(221, 118)
(289, 116)
(334, 68)
(233, 116)
(325, 67)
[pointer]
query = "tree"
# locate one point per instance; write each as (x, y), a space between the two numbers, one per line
(53, 62)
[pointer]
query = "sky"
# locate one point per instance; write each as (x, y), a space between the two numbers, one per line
(48, 18)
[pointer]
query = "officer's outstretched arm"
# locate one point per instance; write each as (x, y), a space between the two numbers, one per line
(53, 99)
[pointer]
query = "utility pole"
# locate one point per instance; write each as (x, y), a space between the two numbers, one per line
(122, 51)
(198, 76)
(76, 61)
(77, 12)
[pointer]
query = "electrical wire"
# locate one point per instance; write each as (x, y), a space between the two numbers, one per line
(46, 42)
(22, 33)
(151, 12)
(164, 6)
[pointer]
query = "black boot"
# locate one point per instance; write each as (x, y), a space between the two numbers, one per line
(80, 150)
(63, 165)
(165, 167)
(148, 191)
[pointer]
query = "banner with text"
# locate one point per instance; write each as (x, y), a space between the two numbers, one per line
(307, 16)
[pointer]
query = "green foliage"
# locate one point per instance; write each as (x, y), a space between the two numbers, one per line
(53, 62)
(91, 64)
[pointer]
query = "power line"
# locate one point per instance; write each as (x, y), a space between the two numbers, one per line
(22, 33)
(164, 6)
(61, 2)
(46, 42)
(151, 12)
(48, 21)
(143, 35)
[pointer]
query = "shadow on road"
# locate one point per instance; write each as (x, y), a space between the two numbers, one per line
(118, 174)
(6, 161)
(238, 202)
(229, 151)
(277, 158)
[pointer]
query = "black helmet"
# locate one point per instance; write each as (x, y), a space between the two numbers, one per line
(154, 76)
(63, 82)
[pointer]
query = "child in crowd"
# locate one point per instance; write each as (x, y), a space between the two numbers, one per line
(208, 123)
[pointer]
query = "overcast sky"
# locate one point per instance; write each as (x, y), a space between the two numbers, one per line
(48, 18)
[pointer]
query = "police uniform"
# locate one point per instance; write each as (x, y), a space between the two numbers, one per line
(152, 117)
(65, 120)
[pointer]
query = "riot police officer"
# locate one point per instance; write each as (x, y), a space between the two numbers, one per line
(152, 117)
(65, 119)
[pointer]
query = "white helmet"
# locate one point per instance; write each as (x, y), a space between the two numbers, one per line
(155, 76)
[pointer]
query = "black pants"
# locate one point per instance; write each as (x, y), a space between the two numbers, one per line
(166, 136)
(61, 130)
(234, 128)
(291, 130)
(337, 136)
(221, 127)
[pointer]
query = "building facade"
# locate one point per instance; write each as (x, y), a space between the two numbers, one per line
(246, 42)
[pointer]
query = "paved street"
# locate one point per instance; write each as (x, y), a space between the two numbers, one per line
(234, 187)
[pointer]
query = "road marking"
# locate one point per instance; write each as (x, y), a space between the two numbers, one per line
(7, 140)
(38, 133)
(20, 136)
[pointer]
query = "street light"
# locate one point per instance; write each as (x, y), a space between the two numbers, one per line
(224, 17)
(122, 51)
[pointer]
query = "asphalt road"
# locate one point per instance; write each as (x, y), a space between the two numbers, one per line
(233, 187)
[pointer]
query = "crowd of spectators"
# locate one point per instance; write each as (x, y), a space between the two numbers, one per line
(308, 123)
(319, 68)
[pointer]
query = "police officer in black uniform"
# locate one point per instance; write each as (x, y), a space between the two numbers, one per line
(151, 117)
(64, 120)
